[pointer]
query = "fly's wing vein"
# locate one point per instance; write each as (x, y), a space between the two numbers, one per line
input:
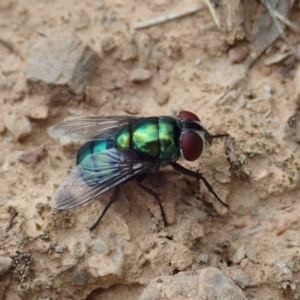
(91, 128)
(98, 173)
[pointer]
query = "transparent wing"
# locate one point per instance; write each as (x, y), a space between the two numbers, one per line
(91, 128)
(97, 173)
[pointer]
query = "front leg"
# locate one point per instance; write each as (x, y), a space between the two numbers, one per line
(180, 169)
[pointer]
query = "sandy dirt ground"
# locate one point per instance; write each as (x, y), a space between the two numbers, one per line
(179, 65)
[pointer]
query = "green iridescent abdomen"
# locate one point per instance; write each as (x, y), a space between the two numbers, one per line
(94, 163)
(145, 136)
(93, 147)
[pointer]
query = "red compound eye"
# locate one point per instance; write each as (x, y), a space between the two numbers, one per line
(191, 146)
(187, 115)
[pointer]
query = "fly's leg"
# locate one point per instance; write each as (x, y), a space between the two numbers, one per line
(111, 200)
(180, 169)
(139, 180)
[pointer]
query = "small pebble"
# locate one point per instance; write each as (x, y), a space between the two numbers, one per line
(103, 265)
(33, 157)
(59, 249)
(45, 248)
(108, 44)
(269, 91)
(44, 236)
(162, 98)
(82, 20)
(79, 278)
(18, 125)
(235, 234)
(198, 62)
(203, 258)
(255, 230)
(5, 264)
(240, 277)
(45, 294)
(200, 215)
(163, 76)
(239, 255)
(284, 269)
(127, 50)
(250, 253)
(244, 263)
(245, 221)
(139, 75)
(238, 54)
(37, 112)
(101, 247)
(254, 212)
(169, 270)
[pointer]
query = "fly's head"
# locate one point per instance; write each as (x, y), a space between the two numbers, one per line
(194, 138)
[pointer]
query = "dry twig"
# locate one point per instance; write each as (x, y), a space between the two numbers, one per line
(166, 18)
(271, 10)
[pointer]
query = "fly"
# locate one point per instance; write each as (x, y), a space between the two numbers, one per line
(119, 149)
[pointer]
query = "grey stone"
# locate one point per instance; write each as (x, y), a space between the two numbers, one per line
(101, 247)
(244, 262)
(238, 53)
(59, 66)
(59, 249)
(5, 264)
(239, 255)
(203, 258)
(161, 98)
(33, 157)
(251, 254)
(139, 75)
(209, 283)
(18, 125)
(79, 277)
(200, 215)
(163, 76)
(213, 284)
(240, 277)
(108, 44)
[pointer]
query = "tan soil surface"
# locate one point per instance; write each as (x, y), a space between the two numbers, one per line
(190, 70)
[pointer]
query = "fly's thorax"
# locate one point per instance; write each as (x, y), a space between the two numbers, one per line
(194, 138)
(169, 133)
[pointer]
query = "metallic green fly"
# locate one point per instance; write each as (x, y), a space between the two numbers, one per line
(119, 149)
